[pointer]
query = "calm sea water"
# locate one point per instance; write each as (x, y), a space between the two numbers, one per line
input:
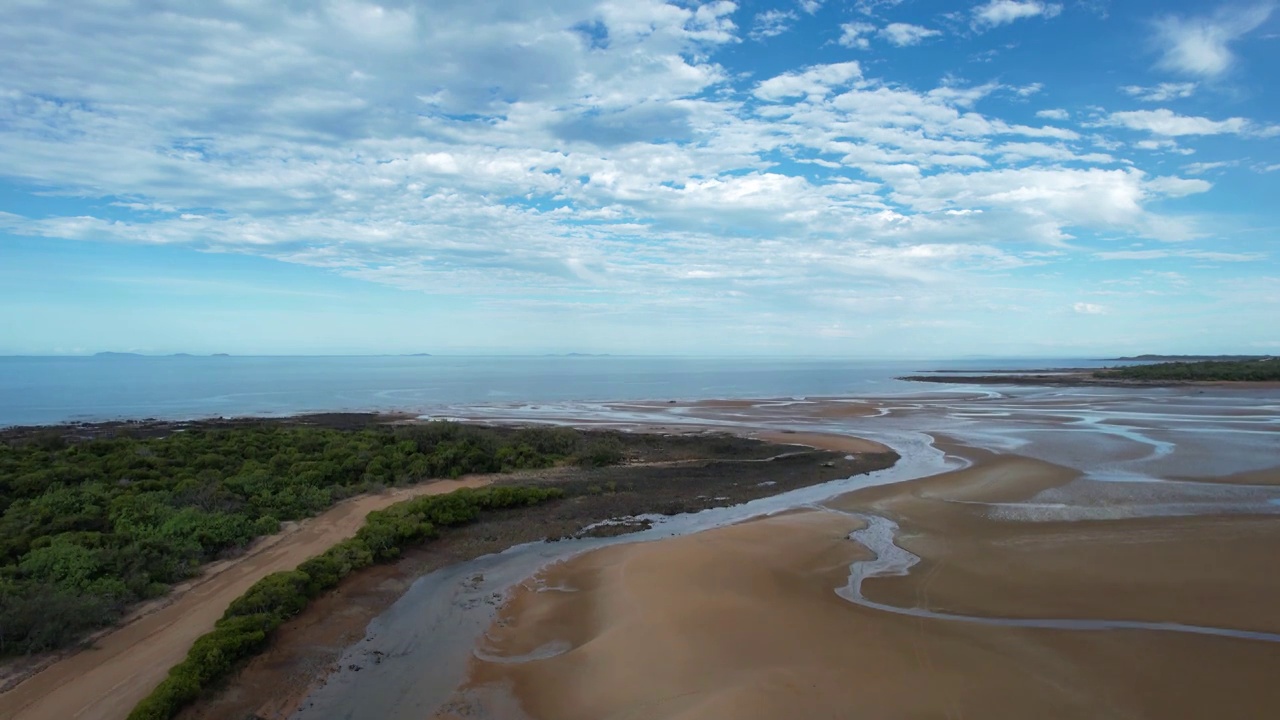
(45, 390)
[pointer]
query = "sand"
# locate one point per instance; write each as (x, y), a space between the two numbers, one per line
(823, 441)
(744, 621)
(105, 682)
(1269, 476)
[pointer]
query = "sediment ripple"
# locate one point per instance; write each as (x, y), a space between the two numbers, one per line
(892, 560)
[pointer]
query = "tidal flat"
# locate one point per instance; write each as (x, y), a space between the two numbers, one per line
(1049, 552)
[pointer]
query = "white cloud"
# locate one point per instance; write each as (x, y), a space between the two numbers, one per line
(1085, 308)
(871, 7)
(1162, 92)
(1202, 45)
(604, 136)
(810, 6)
(904, 34)
(772, 23)
(1169, 186)
(815, 80)
(856, 35)
(1170, 124)
(1163, 253)
(1026, 91)
(1003, 12)
(1200, 168)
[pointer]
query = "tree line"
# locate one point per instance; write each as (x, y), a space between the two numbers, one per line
(1259, 370)
(246, 627)
(88, 528)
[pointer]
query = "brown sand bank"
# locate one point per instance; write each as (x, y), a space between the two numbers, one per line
(1269, 476)
(760, 409)
(1220, 571)
(824, 441)
(743, 622)
(125, 664)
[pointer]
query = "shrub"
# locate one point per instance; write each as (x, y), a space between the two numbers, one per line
(250, 619)
(601, 452)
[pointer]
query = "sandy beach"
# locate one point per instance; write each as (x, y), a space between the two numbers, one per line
(744, 621)
(1057, 555)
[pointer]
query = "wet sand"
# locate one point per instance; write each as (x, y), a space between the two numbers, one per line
(823, 441)
(745, 621)
(1270, 476)
(106, 681)
(360, 650)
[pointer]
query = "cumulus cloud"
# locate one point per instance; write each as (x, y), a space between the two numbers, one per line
(814, 80)
(1162, 253)
(1003, 12)
(1170, 124)
(871, 7)
(1026, 91)
(1170, 186)
(856, 35)
(1162, 92)
(904, 34)
(1200, 168)
(586, 147)
(772, 23)
(1201, 45)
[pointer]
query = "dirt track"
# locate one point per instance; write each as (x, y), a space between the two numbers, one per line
(105, 682)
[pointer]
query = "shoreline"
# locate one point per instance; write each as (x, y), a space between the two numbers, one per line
(129, 658)
(304, 656)
(1076, 377)
(616, 637)
(951, 526)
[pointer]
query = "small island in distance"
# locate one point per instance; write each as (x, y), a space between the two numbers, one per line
(1260, 368)
(1186, 358)
(111, 354)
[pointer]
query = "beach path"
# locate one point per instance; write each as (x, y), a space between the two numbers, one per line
(107, 680)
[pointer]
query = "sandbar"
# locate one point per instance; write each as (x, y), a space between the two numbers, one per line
(745, 621)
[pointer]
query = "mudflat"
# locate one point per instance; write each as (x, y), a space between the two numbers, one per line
(670, 474)
(745, 621)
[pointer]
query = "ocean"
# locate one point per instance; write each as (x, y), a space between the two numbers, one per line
(49, 390)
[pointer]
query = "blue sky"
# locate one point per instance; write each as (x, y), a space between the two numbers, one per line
(866, 178)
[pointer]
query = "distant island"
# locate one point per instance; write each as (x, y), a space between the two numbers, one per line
(110, 354)
(1260, 369)
(1185, 358)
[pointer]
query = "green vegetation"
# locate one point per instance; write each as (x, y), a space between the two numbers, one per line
(1209, 370)
(246, 627)
(89, 527)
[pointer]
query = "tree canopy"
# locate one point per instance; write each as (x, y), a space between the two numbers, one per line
(88, 528)
(1266, 369)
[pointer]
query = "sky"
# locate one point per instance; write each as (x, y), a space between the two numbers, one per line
(856, 178)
